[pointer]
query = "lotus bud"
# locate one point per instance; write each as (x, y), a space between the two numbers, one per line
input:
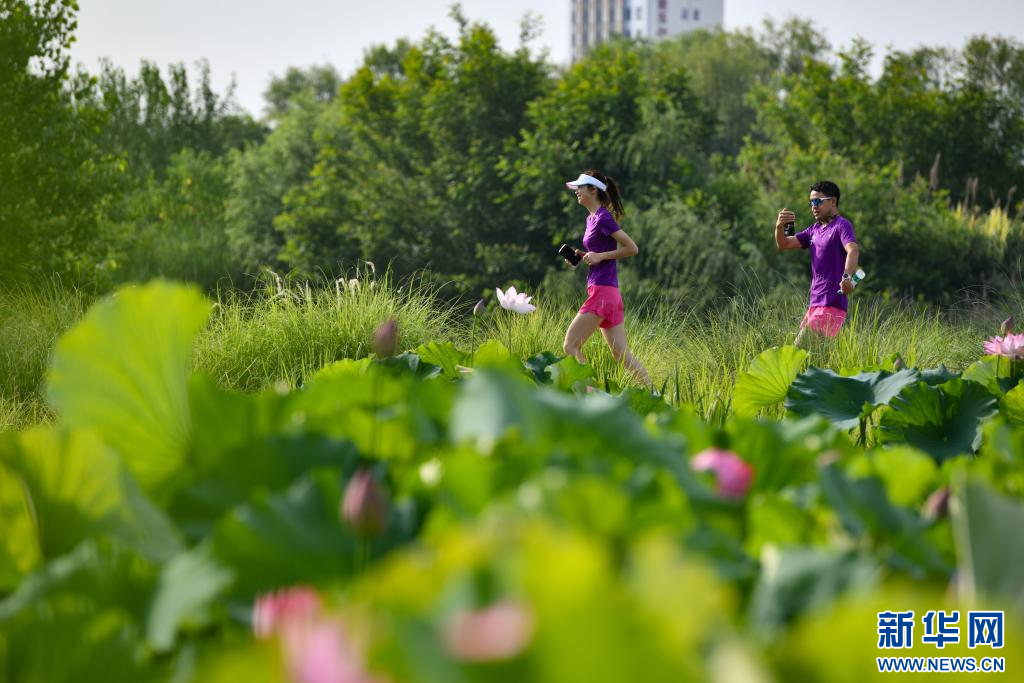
(898, 364)
(937, 505)
(1007, 327)
(479, 308)
(363, 508)
(385, 339)
(733, 476)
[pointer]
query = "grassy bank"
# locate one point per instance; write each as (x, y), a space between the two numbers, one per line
(286, 332)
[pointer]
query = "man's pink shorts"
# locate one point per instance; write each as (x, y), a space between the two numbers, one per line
(824, 319)
(605, 302)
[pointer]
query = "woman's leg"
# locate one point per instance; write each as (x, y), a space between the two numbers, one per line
(578, 333)
(616, 338)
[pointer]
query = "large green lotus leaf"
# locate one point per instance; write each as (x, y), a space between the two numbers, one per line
(1013, 404)
(796, 580)
(987, 527)
(993, 372)
(493, 354)
(19, 542)
(242, 442)
(77, 488)
(78, 619)
(865, 509)
(283, 538)
(845, 400)
(943, 421)
(767, 380)
(536, 365)
(491, 405)
(781, 453)
(187, 586)
(939, 375)
(123, 370)
(907, 472)
(445, 356)
(568, 371)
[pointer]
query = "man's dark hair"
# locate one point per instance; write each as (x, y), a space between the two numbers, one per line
(827, 188)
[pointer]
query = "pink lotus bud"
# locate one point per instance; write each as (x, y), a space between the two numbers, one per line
(899, 364)
(272, 612)
(364, 509)
(321, 652)
(385, 339)
(1007, 327)
(732, 475)
(497, 632)
(479, 308)
(937, 505)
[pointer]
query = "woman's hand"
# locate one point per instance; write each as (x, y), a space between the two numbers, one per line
(592, 258)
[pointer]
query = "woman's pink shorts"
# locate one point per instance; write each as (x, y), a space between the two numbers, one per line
(824, 319)
(605, 302)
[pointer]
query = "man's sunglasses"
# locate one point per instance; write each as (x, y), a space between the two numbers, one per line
(817, 201)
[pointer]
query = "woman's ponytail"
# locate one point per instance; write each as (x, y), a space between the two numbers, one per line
(611, 198)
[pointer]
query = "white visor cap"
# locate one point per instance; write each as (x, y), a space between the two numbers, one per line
(585, 179)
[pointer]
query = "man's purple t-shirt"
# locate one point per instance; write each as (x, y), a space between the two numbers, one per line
(598, 238)
(828, 258)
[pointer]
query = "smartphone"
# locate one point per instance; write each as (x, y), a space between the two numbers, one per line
(569, 254)
(790, 229)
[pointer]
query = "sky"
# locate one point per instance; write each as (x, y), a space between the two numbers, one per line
(254, 40)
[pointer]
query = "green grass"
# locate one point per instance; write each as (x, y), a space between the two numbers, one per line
(284, 332)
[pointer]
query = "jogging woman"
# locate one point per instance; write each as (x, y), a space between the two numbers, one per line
(605, 242)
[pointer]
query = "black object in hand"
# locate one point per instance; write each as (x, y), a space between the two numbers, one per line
(569, 254)
(790, 229)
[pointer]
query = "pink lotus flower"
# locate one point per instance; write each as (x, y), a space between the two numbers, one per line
(274, 611)
(515, 301)
(497, 632)
(320, 652)
(732, 475)
(1011, 346)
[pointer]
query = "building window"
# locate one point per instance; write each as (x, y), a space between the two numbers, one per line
(626, 33)
(662, 31)
(662, 17)
(686, 13)
(662, 4)
(639, 13)
(696, 15)
(625, 12)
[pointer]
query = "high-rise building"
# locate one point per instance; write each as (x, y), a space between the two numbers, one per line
(594, 21)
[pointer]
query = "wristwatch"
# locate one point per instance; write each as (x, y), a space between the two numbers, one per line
(847, 276)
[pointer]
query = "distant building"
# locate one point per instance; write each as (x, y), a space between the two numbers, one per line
(595, 21)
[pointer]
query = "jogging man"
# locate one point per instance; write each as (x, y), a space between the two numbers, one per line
(834, 257)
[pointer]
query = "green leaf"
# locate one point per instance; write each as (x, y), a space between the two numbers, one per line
(283, 538)
(797, 580)
(767, 380)
(78, 619)
(986, 527)
(845, 400)
(908, 473)
(538, 365)
(123, 370)
(77, 488)
(1013, 404)
(568, 371)
(864, 508)
(993, 372)
(943, 421)
(187, 586)
(445, 356)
